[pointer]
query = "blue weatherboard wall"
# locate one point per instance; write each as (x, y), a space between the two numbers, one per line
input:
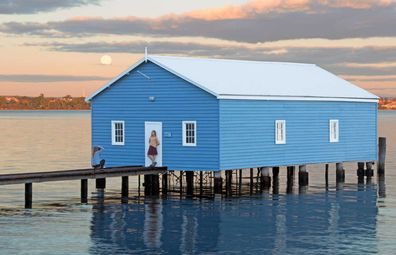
(175, 100)
(247, 132)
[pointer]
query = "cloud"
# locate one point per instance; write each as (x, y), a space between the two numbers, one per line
(47, 78)
(256, 21)
(30, 7)
(340, 60)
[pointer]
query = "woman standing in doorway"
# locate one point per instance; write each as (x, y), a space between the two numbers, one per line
(152, 151)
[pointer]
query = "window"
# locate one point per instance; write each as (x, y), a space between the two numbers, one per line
(189, 133)
(334, 131)
(280, 132)
(117, 132)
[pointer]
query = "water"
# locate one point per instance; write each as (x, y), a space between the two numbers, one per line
(351, 220)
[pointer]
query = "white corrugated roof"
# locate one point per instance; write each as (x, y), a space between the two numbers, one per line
(259, 80)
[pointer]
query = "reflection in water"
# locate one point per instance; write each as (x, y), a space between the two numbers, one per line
(311, 223)
(153, 224)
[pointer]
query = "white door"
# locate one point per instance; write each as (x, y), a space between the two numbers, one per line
(149, 127)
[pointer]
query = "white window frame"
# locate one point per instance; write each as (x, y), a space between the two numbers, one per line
(283, 122)
(334, 137)
(184, 130)
(113, 132)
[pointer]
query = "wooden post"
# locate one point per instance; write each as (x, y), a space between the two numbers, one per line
(156, 184)
(181, 183)
(101, 183)
(240, 181)
(381, 186)
(275, 185)
(360, 172)
(165, 183)
(327, 174)
(251, 181)
(151, 184)
(290, 179)
(84, 191)
(275, 172)
(147, 184)
(218, 182)
(381, 155)
(340, 172)
(190, 183)
(201, 183)
(228, 174)
(139, 185)
(124, 189)
(28, 195)
(290, 173)
(303, 176)
(369, 169)
(265, 178)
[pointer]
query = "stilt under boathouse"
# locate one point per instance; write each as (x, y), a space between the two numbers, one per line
(222, 115)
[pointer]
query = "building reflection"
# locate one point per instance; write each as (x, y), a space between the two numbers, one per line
(331, 222)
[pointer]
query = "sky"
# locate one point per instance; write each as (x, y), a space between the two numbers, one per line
(73, 47)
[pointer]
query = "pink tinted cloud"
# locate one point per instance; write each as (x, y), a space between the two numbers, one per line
(254, 7)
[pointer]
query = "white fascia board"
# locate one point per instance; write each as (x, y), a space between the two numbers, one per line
(298, 98)
(111, 82)
(183, 77)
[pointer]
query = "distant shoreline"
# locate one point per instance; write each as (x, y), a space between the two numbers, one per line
(41, 102)
(69, 103)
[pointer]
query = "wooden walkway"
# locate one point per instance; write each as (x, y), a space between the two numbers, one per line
(80, 174)
(65, 175)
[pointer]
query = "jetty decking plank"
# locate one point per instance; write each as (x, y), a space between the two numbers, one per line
(65, 175)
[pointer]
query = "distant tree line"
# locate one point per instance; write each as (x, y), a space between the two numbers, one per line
(387, 104)
(43, 103)
(78, 103)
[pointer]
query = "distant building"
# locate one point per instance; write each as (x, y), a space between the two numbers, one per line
(212, 114)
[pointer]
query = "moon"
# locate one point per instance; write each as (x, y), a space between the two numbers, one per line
(106, 60)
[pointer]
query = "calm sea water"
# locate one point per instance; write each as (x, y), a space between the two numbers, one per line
(351, 219)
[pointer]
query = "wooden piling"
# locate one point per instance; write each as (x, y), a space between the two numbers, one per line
(265, 178)
(290, 173)
(101, 183)
(124, 188)
(165, 183)
(369, 169)
(327, 174)
(275, 185)
(217, 182)
(381, 155)
(201, 183)
(275, 172)
(251, 181)
(139, 185)
(303, 176)
(28, 195)
(84, 191)
(190, 183)
(151, 184)
(381, 186)
(290, 179)
(181, 183)
(228, 174)
(360, 171)
(340, 172)
(240, 181)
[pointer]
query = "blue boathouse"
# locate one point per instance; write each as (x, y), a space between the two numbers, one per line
(214, 115)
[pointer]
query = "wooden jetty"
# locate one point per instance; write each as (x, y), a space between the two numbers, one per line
(80, 174)
(158, 179)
